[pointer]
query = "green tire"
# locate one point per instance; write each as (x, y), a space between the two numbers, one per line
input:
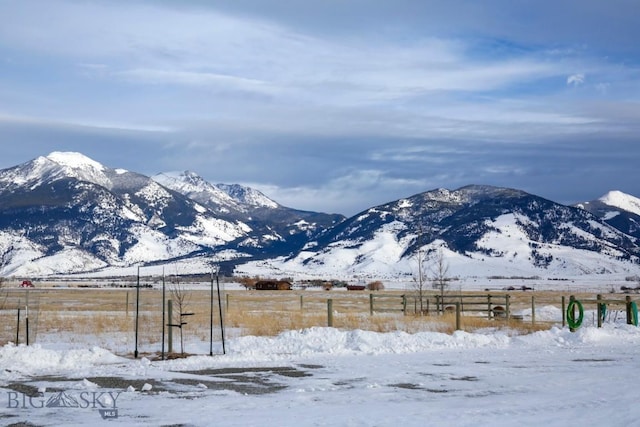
(571, 320)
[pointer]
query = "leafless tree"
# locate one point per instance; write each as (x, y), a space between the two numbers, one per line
(439, 273)
(420, 279)
(181, 300)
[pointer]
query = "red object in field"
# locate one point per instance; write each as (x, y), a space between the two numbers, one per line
(26, 284)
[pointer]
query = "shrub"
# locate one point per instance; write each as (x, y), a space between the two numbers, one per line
(249, 282)
(375, 286)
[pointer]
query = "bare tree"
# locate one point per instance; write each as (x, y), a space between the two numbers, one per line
(420, 279)
(439, 273)
(181, 300)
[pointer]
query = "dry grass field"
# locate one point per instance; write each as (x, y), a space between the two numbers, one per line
(108, 314)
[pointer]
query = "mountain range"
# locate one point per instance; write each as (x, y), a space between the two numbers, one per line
(65, 213)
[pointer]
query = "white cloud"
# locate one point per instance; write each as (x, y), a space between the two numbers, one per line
(150, 76)
(575, 79)
(347, 194)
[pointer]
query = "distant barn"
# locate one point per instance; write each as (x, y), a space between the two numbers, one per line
(356, 287)
(273, 285)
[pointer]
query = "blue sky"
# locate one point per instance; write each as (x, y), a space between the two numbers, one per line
(336, 105)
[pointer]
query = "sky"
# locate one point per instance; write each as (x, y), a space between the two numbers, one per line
(332, 106)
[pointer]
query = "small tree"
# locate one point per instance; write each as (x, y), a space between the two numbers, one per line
(181, 300)
(439, 273)
(375, 286)
(420, 280)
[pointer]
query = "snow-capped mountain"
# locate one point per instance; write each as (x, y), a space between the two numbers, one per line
(623, 201)
(65, 213)
(617, 209)
(482, 230)
(203, 192)
(279, 229)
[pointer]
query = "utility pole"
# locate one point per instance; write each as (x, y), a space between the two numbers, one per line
(224, 351)
(211, 316)
(163, 313)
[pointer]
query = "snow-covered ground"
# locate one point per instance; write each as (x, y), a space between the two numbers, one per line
(330, 377)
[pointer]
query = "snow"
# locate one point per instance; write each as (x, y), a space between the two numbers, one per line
(610, 215)
(506, 251)
(81, 167)
(326, 376)
(622, 200)
(190, 184)
(74, 160)
(212, 231)
(153, 245)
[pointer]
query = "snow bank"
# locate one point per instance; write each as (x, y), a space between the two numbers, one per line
(35, 359)
(310, 343)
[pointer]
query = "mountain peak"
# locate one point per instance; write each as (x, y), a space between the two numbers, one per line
(76, 165)
(622, 201)
(248, 196)
(74, 160)
(197, 188)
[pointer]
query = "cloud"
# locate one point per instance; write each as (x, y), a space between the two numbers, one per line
(188, 78)
(575, 79)
(346, 194)
(346, 112)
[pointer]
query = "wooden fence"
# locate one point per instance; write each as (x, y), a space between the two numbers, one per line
(493, 305)
(107, 313)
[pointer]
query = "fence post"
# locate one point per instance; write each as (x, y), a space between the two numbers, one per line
(507, 304)
(227, 297)
(599, 310)
(437, 304)
(564, 313)
(26, 319)
(18, 326)
(628, 301)
(127, 305)
(489, 306)
(533, 309)
(330, 312)
(404, 305)
(301, 303)
(457, 316)
(371, 304)
(170, 331)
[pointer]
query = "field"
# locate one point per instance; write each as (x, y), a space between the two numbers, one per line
(108, 315)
